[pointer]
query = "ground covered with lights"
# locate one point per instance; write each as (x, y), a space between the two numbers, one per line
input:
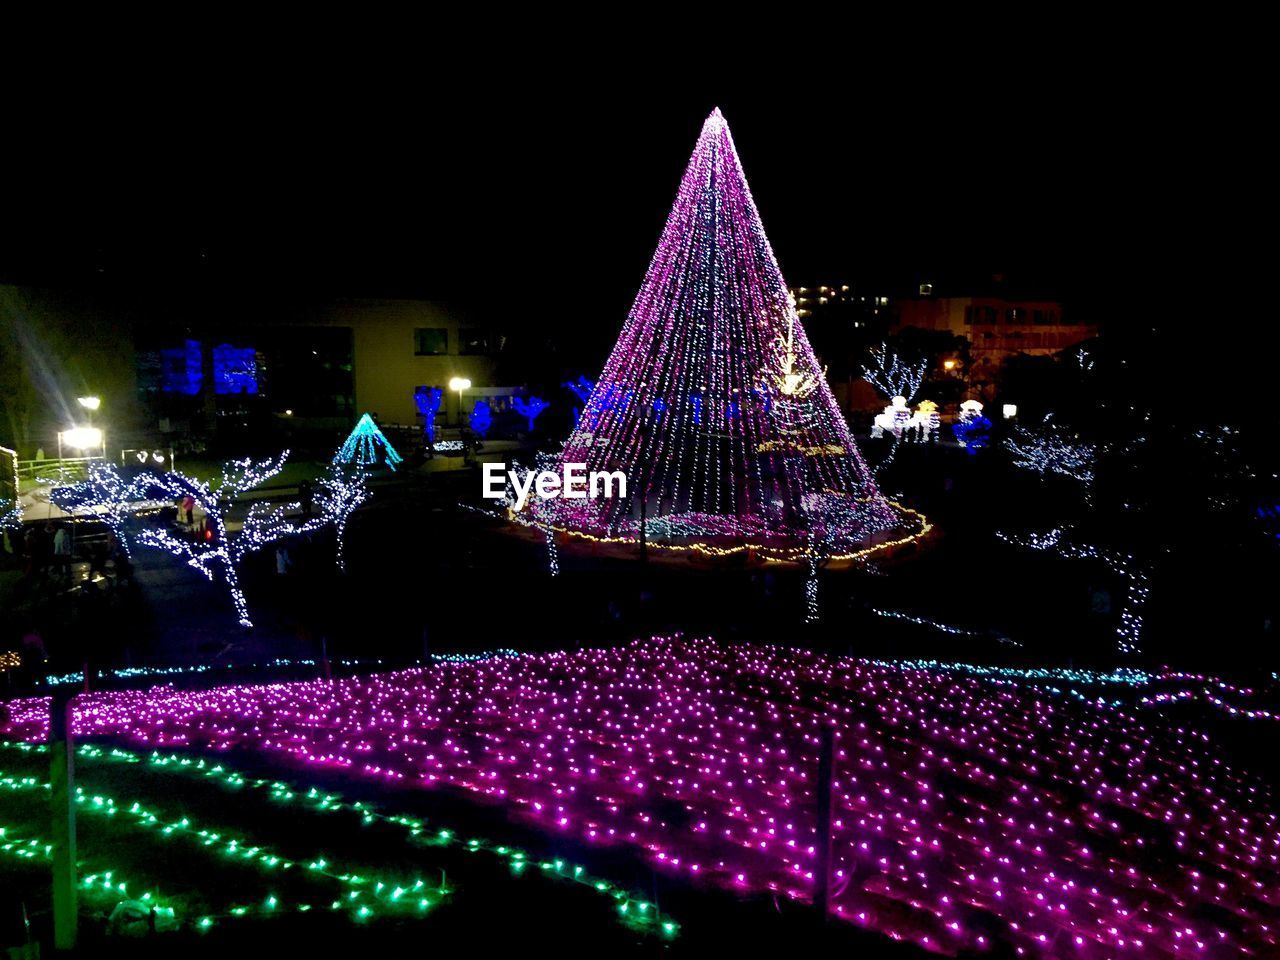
(1043, 812)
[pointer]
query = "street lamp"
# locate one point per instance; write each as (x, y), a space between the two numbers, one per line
(459, 384)
(81, 438)
(90, 405)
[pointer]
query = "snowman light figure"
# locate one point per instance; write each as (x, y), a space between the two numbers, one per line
(972, 429)
(894, 418)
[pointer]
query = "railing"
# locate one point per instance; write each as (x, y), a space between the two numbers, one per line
(67, 469)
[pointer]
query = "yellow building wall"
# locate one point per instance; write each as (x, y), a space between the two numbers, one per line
(386, 367)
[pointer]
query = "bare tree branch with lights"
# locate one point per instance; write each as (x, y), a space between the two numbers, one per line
(340, 494)
(105, 494)
(223, 548)
(1051, 449)
(1126, 566)
(893, 376)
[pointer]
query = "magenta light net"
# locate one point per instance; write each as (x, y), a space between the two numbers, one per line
(969, 814)
(694, 404)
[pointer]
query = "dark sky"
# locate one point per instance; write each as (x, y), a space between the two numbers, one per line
(548, 198)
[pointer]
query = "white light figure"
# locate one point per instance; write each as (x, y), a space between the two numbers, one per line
(893, 419)
(340, 494)
(220, 547)
(892, 376)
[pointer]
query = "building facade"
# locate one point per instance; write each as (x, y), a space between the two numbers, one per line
(996, 326)
(226, 368)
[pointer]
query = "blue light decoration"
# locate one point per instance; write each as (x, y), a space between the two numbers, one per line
(427, 400)
(530, 409)
(481, 418)
(182, 369)
(581, 388)
(613, 399)
(363, 445)
(235, 369)
(972, 432)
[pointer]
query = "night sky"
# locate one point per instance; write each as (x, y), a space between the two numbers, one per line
(546, 199)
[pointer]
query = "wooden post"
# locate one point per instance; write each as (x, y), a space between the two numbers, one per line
(62, 780)
(822, 869)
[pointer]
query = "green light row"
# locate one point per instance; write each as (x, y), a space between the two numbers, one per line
(634, 912)
(388, 893)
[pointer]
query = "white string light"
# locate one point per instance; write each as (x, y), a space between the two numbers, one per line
(1049, 449)
(893, 376)
(340, 495)
(1129, 629)
(221, 548)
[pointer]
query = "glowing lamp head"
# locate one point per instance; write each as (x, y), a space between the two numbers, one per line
(82, 438)
(948, 364)
(459, 384)
(1010, 410)
(89, 403)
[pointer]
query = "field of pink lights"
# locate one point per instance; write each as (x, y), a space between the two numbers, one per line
(969, 813)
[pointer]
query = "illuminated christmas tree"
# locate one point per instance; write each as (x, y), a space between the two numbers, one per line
(366, 445)
(712, 402)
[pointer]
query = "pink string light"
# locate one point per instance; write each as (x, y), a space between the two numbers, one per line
(968, 812)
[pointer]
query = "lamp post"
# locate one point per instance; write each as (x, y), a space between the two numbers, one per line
(82, 438)
(459, 384)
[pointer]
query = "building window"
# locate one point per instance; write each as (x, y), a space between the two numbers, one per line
(1017, 315)
(968, 314)
(430, 341)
